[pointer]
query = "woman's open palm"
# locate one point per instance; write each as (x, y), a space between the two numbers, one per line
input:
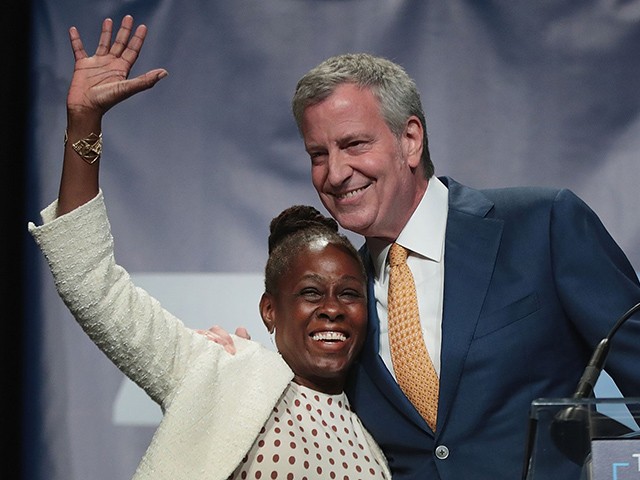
(101, 81)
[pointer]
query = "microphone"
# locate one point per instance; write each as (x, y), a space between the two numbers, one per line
(599, 357)
(570, 426)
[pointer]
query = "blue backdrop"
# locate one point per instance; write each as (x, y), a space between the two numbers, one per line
(516, 93)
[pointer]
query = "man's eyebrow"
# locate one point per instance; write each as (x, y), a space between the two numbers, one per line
(350, 137)
(313, 146)
(341, 141)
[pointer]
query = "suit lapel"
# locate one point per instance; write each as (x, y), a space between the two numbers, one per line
(471, 247)
(373, 364)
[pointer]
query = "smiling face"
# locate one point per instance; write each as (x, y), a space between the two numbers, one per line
(319, 313)
(369, 179)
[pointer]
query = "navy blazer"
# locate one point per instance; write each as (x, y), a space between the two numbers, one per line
(533, 282)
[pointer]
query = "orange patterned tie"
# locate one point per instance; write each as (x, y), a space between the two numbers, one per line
(411, 362)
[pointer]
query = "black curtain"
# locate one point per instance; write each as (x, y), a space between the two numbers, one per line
(14, 104)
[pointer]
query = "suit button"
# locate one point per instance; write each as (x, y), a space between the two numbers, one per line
(442, 452)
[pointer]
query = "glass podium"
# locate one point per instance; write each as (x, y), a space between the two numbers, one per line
(583, 439)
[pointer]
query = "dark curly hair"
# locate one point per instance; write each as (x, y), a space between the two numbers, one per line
(292, 231)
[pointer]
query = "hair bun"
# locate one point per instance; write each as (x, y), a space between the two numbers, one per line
(295, 219)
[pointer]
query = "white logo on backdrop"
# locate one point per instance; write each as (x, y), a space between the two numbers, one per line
(230, 300)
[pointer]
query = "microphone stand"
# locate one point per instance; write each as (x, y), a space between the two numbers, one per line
(599, 357)
(569, 429)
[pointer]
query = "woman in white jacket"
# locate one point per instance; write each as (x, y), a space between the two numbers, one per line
(255, 414)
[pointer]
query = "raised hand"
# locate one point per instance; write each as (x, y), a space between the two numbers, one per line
(101, 81)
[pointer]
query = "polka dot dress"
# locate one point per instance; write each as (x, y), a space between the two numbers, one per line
(310, 435)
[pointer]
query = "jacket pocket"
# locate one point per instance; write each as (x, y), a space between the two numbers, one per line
(507, 315)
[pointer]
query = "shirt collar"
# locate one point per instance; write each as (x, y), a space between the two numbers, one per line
(424, 233)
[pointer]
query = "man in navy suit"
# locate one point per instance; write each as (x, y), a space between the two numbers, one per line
(515, 286)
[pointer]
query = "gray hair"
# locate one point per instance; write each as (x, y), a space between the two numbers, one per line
(396, 92)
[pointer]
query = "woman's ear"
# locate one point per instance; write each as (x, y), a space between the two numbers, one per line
(267, 311)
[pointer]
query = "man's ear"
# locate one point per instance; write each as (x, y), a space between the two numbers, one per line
(412, 141)
(267, 311)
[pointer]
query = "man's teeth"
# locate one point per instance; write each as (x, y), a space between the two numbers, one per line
(351, 193)
(329, 336)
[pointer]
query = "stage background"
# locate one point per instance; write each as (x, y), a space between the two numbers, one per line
(516, 93)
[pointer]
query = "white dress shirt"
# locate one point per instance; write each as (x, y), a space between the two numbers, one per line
(424, 237)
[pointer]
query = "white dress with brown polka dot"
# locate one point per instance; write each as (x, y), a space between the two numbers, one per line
(310, 435)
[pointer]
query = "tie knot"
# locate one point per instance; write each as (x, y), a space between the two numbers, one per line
(397, 255)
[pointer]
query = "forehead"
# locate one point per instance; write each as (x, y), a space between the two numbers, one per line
(323, 259)
(349, 107)
(347, 98)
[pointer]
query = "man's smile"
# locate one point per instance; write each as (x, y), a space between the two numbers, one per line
(350, 193)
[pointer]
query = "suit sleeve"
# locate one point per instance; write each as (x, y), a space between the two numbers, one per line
(597, 284)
